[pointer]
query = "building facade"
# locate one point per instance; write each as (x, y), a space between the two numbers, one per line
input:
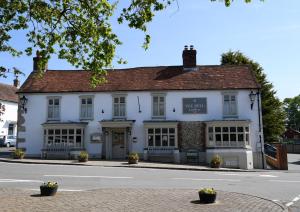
(175, 114)
(8, 110)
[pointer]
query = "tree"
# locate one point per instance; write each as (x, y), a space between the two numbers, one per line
(273, 115)
(78, 31)
(292, 109)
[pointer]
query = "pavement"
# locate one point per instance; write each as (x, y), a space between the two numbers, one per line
(125, 199)
(123, 163)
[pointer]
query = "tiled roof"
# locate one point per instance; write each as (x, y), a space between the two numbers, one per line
(8, 93)
(144, 79)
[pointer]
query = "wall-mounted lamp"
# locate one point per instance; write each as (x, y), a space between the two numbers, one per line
(174, 110)
(23, 101)
(102, 111)
(106, 132)
(252, 96)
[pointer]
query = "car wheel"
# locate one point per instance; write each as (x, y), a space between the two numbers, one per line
(8, 145)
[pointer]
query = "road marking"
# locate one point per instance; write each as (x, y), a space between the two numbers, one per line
(285, 181)
(80, 176)
(230, 180)
(267, 175)
(19, 180)
(67, 190)
(297, 198)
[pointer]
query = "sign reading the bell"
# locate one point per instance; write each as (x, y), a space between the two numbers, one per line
(194, 105)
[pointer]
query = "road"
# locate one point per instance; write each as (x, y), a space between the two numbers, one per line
(281, 186)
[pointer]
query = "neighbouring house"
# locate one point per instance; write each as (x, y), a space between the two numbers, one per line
(8, 109)
(180, 114)
(291, 134)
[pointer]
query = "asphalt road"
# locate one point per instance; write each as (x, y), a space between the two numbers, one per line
(281, 186)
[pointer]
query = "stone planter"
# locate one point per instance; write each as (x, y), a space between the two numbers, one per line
(207, 198)
(48, 191)
(82, 160)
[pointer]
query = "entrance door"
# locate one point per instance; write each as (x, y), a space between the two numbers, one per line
(118, 145)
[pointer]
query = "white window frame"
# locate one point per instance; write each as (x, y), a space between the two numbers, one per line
(91, 117)
(158, 95)
(53, 98)
(119, 96)
(211, 132)
(73, 144)
(230, 114)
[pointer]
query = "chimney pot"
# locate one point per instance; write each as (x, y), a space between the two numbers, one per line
(191, 47)
(186, 47)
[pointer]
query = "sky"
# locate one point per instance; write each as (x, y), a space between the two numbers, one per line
(267, 32)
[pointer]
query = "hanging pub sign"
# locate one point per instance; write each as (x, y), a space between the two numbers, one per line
(194, 105)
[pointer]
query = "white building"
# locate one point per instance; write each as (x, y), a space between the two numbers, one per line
(8, 110)
(168, 113)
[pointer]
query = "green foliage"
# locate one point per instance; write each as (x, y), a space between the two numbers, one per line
(207, 191)
(18, 154)
(83, 156)
(273, 115)
(292, 109)
(133, 156)
(50, 184)
(216, 161)
(77, 31)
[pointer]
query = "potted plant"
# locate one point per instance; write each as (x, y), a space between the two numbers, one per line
(216, 161)
(133, 158)
(18, 154)
(49, 188)
(207, 195)
(83, 156)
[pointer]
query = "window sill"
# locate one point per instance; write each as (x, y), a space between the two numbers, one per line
(230, 116)
(158, 118)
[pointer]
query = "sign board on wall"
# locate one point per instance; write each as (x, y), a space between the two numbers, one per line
(194, 105)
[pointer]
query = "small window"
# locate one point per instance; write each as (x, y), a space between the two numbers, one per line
(119, 106)
(53, 108)
(229, 105)
(86, 108)
(158, 106)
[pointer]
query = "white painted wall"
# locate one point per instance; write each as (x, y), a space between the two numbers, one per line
(10, 116)
(70, 107)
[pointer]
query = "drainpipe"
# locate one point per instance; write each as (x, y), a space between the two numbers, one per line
(260, 127)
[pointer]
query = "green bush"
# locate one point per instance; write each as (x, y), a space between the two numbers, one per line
(207, 191)
(50, 184)
(216, 161)
(133, 158)
(83, 156)
(18, 154)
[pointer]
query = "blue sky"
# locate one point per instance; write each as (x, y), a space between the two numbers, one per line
(268, 32)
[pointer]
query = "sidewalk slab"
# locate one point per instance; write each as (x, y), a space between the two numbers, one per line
(142, 164)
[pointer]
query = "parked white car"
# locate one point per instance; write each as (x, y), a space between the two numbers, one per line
(10, 140)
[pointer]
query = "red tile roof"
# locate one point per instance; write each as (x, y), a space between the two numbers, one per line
(8, 93)
(144, 79)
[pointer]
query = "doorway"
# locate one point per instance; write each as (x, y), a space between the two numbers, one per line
(118, 144)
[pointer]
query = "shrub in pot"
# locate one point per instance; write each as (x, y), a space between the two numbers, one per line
(133, 158)
(216, 161)
(207, 195)
(49, 188)
(18, 154)
(83, 156)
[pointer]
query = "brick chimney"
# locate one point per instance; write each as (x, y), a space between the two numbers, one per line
(189, 58)
(35, 62)
(16, 82)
